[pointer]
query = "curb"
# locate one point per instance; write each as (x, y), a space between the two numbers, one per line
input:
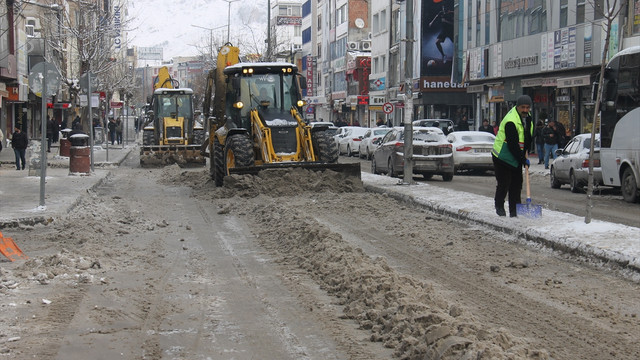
(585, 251)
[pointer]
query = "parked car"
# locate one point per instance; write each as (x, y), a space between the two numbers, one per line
(331, 128)
(571, 166)
(371, 140)
(445, 125)
(432, 153)
(340, 133)
(472, 150)
(350, 143)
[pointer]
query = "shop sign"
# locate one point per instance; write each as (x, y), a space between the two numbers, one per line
(574, 81)
(519, 62)
(376, 100)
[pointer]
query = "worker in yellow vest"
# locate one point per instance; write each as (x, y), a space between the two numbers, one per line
(510, 154)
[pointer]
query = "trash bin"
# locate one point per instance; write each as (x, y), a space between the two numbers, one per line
(79, 154)
(65, 143)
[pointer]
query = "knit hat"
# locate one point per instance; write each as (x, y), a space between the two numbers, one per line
(524, 100)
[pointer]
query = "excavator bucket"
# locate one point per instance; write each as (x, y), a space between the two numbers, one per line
(9, 249)
(163, 155)
(347, 169)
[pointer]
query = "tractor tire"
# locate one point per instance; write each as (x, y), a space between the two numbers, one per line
(198, 137)
(216, 163)
(238, 152)
(324, 147)
(147, 137)
(629, 186)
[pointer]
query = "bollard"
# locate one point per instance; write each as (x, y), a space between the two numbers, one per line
(65, 145)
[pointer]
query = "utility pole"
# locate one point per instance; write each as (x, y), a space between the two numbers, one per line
(268, 30)
(408, 104)
(229, 18)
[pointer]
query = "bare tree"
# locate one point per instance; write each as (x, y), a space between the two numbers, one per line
(610, 13)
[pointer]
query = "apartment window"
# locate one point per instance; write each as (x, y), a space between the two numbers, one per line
(320, 22)
(306, 8)
(297, 30)
(478, 18)
(580, 11)
(341, 15)
(383, 20)
(522, 17)
(469, 17)
(487, 23)
(375, 24)
(395, 27)
(598, 9)
(306, 35)
(284, 10)
(376, 65)
(564, 13)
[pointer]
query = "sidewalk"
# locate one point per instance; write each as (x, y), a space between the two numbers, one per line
(616, 243)
(20, 190)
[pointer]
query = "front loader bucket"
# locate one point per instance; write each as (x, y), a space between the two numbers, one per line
(347, 169)
(163, 155)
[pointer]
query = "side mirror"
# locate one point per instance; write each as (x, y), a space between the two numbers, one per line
(559, 152)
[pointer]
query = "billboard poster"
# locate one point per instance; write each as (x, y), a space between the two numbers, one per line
(437, 40)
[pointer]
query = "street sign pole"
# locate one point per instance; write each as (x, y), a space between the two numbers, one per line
(43, 129)
(90, 97)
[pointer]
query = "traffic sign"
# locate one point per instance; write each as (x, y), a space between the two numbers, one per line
(387, 108)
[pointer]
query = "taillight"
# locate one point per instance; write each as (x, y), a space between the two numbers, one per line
(356, 139)
(399, 145)
(463, 148)
(596, 163)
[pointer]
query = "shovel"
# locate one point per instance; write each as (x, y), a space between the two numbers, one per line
(9, 249)
(528, 210)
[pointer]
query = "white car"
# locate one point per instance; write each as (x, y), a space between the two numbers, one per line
(472, 150)
(371, 140)
(349, 142)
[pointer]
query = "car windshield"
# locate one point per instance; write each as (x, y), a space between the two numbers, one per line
(587, 143)
(380, 132)
(476, 138)
(170, 105)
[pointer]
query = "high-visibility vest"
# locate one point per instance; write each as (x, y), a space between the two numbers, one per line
(500, 149)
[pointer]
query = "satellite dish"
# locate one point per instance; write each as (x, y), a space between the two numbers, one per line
(359, 23)
(40, 72)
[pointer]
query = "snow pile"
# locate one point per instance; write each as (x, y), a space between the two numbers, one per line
(401, 312)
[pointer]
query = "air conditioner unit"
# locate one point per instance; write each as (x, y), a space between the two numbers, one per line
(32, 27)
(352, 45)
(365, 45)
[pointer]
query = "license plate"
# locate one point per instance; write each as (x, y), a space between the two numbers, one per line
(482, 150)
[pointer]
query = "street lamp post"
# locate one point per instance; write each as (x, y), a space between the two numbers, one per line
(229, 17)
(210, 37)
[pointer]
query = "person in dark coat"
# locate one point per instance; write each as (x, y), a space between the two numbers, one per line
(19, 143)
(76, 124)
(539, 140)
(462, 124)
(561, 135)
(112, 130)
(550, 135)
(51, 128)
(486, 127)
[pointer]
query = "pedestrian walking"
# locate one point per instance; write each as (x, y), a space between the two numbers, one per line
(550, 135)
(509, 154)
(50, 131)
(462, 124)
(119, 130)
(539, 141)
(561, 132)
(19, 143)
(112, 130)
(1, 141)
(495, 127)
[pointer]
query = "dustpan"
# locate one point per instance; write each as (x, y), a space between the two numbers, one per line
(528, 209)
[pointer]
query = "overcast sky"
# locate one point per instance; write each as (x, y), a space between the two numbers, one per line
(169, 23)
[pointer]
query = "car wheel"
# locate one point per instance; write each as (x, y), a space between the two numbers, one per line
(349, 153)
(391, 171)
(629, 186)
(555, 184)
(374, 169)
(368, 153)
(447, 177)
(573, 183)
